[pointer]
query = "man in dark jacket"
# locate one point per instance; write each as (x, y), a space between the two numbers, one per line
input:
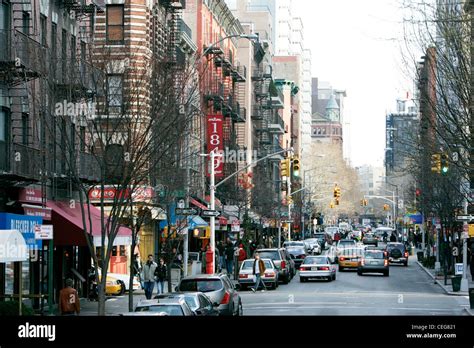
(257, 270)
(160, 274)
(229, 257)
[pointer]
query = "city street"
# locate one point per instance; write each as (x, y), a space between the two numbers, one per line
(407, 291)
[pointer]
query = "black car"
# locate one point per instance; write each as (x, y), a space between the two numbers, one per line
(298, 254)
(397, 253)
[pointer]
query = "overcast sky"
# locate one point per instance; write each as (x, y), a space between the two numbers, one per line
(355, 46)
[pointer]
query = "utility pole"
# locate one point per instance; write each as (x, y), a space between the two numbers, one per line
(289, 205)
(464, 281)
(212, 189)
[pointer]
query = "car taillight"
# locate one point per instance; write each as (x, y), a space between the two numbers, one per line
(269, 275)
(324, 268)
(283, 264)
(243, 275)
(406, 253)
(341, 259)
(226, 298)
(362, 262)
(385, 262)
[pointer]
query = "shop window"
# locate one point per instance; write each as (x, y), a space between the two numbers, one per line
(114, 251)
(123, 251)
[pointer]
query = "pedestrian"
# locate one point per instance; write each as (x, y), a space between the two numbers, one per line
(177, 257)
(393, 238)
(69, 300)
(471, 265)
(161, 272)
(148, 276)
(229, 257)
(258, 270)
(221, 249)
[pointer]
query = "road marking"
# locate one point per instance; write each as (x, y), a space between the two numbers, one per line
(352, 307)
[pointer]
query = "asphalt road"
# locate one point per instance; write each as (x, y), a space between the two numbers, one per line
(407, 291)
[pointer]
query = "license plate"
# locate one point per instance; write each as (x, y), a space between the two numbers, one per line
(374, 263)
(314, 268)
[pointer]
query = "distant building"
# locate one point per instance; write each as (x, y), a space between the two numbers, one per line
(370, 179)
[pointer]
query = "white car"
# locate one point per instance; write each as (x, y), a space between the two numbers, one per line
(246, 277)
(313, 246)
(318, 267)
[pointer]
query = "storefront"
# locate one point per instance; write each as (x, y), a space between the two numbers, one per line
(12, 274)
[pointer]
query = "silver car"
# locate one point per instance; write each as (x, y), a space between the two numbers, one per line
(313, 246)
(269, 278)
(318, 267)
(219, 288)
(172, 307)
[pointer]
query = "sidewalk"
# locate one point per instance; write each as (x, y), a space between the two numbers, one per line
(440, 280)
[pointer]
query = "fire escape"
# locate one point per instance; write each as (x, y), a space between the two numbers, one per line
(22, 61)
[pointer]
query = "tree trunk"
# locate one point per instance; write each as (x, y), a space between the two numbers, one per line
(130, 281)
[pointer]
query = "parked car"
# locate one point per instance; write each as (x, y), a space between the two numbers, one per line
(125, 278)
(114, 286)
(369, 238)
(317, 267)
(349, 258)
(246, 277)
(218, 287)
(282, 260)
(172, 307)
(298, 254)
(397, 253)
(373, 261)
(198, 302)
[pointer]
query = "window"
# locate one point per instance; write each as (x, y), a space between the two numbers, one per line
(25, 18)
(73, 139)
(25, 129)
(114, 93)
(115, 22)
(82, 139)
(54, 46)
(73, 50)
(44, 30)
(4, 116)
(64, 51)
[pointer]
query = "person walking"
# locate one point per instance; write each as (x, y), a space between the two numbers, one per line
(258, 270)
(471, 266)
(148, 276)
(229, 257)
(221, 249)
(161, 272)
(69, 300)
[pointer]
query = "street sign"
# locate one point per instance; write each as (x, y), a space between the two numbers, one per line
(209, 213)
(185, 211)
(44, 232)
(464, 217)
(287, 221)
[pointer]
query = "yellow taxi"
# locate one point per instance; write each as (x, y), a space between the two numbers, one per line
(113, 286)
(349, 258)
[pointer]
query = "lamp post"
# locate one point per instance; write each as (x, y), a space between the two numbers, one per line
(213, 186)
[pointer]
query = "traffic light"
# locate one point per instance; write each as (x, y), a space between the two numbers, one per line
(362, 202)
(418, 192)
(366, 202)
(337, 192)
(285, 167)
(296, 166)
(290, 200)
(386, 207)
(444, 164)
(331, 205)
(337, 201)
(436, 163)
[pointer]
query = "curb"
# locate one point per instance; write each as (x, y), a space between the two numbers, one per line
(451, 293)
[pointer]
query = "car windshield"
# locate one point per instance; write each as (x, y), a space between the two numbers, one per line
(202, 285)
(315, 261)
(293, 244)
(352, 252)
(248, 264)
(174, 310)
(296, 249)
(270, 254)
(395, 246)
(374, 255)
(192, 302)
(346, 243)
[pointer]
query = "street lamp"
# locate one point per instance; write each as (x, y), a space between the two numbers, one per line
(213, 186)
(251, 37)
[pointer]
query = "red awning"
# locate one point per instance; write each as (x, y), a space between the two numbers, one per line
(198, 204)
(68, 225)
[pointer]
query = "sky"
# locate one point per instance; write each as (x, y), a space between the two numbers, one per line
(355, 46)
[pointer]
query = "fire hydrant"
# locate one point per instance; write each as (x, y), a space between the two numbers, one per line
(209, 261)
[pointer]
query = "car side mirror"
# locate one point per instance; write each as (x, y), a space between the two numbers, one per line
(237, 286)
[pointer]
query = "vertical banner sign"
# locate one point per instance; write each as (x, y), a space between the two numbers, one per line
(215, 132)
